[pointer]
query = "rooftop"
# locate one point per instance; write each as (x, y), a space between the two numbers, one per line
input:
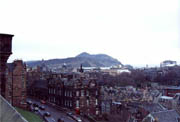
(166, 116)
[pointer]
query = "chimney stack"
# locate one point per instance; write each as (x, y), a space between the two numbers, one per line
(5, 52)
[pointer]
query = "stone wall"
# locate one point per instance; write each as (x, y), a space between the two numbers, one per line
(8, 112)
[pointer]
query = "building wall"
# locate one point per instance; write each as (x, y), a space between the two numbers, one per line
(16, 84)
(8, 93)
(171, 92)
(83, 98)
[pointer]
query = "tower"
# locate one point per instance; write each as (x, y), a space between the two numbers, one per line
(5, 52)
(81, 69)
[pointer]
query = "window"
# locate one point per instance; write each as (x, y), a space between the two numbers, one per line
(23, 79)
(60, 92)
(77, 93)
(77, 103)
(87, 93)
(97, 112)
(70, 94)
(96, 92)
(54, 91)
(51, 99)
(70, 103)
(87, 102)
(82, 93)
(23, 93)
(51, 90)
(96, 102)
(57, 91)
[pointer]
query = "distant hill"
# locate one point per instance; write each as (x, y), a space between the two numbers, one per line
(87, 60)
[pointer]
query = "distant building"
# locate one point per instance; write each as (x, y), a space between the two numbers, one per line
(75, 92)
(106, 106)
(16, 83)
(171, 90)
(168, 63)
(116, 71)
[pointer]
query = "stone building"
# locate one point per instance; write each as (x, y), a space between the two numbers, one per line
(16, 76)
(34, 76)
(39, 90)
(75, 92)
(5, 52)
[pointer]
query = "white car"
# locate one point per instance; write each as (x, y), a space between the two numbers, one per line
(78, 119)
(36, 109)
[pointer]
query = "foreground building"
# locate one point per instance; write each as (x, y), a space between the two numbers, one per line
(5, 52)
(16, 83)
(7, 112)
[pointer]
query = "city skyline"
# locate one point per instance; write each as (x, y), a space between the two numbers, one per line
(134, 32)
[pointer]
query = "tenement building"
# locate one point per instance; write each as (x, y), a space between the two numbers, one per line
(76, 92)
(16, 77)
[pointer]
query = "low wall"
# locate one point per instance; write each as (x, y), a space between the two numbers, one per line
(8, 112)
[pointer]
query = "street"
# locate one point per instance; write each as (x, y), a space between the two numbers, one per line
(55, 114)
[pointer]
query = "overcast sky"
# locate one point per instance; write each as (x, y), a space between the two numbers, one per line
(136, 32)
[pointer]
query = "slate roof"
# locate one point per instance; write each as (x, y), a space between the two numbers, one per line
(85, 82)
(166, 116)
(173, 87)
(41, 84)
(154, 107)
(69, 82)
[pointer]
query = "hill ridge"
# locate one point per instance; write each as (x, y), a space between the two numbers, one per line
(84, 58)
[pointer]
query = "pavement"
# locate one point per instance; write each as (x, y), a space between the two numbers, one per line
(55, 114)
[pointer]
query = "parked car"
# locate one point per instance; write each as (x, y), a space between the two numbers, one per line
(31, 108)
(42, 107)
(43, 102)
(29, 102)
(35, 105)
(36, 109)
(47, 114)
(69, 114)
(78, 119)
(61, 120)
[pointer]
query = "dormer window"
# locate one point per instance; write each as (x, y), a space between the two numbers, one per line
(92, 84)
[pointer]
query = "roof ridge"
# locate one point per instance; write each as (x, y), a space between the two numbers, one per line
(164, 111)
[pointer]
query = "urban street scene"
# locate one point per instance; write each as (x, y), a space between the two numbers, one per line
(90, 61)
